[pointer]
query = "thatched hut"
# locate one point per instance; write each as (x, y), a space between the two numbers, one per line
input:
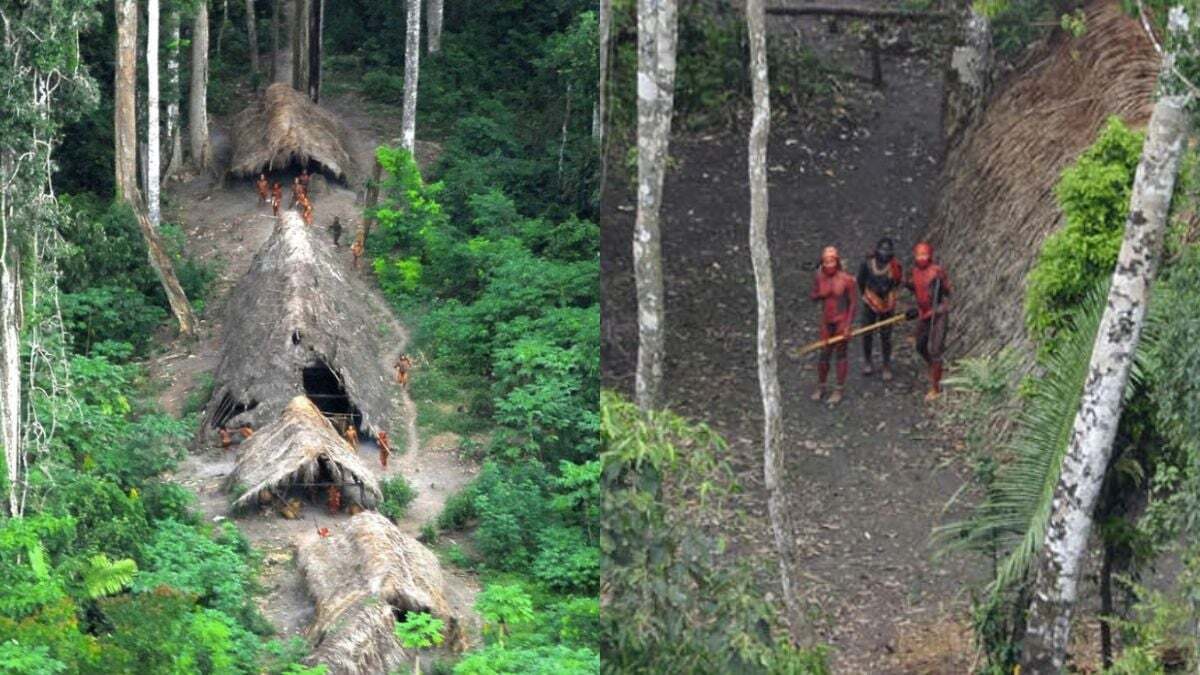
(300, 322)
(283, 127)
(300, 449)
(996, 202)
(365, 576)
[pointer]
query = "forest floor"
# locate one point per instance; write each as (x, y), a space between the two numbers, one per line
(869, 478)
(225, 227)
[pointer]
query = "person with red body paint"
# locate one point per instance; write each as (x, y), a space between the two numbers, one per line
(931, 286)
(838, 294)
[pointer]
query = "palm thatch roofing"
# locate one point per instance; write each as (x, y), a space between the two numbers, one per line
(300, 322)
(996, 202)
(363, 576)
(283, 127)
(301, 447)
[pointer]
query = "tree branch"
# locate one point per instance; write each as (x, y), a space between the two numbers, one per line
(858, 12)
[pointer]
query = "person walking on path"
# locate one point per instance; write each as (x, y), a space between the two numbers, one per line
(835, 290)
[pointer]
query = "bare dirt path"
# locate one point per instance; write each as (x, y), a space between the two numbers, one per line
(225, 226)
(869, 478)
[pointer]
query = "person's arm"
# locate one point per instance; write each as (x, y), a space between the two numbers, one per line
(944, 297)
(816, 294)
(848, 321)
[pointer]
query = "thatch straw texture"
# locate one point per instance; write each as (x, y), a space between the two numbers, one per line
(358, 576)
(297, 307)
(996, 200)
(295, 449)
(282, 127)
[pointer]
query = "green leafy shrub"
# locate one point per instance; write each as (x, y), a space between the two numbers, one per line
(459, 510)
(383, 86)
(566, 561)
(397, 495)
(1094, 195)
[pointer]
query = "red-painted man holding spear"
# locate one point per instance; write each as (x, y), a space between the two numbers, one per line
(838, 293)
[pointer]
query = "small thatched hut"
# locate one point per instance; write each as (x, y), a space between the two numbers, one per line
(365, 576)
(301, 448)
(996, 202)
(300, 322)
(283, 127)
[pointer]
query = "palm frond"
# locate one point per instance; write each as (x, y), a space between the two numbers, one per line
(1013, 516)
(105, 577)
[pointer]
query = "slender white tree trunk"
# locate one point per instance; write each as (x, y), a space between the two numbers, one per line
(252, 34)
(153, 149)
(768, 364)
(602, 97)
(562, 145)
(657, 26)
(198, 98)
(434, 27)
(10, 364)
(174, 132)
(412, 70)
(125, 100)
(1060, 561)
(224, 21)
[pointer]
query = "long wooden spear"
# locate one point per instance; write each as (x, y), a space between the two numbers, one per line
(813, 346)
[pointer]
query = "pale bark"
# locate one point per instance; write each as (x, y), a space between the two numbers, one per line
(124, 100)
(10, 367)
(163, 267)
(315, 52)
(562, 145)
(153, 149)
(601, 121)
(764, 286)
(224, 21)
(1060, 562)
(657, 26)
(301, 11)
(252, 34)
(434, 25)
(198, 98)
(174, 132)
(971, 66)
(412, 71)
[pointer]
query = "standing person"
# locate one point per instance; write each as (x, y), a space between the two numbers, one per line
(297, 192)
(879, 279)
(336, 230)
(834, 289)
(304, 176)
(263, 188)
(931, 286)
(276, 198)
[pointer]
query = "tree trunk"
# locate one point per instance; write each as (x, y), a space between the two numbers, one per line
(562, 145)
(198, 99)
(161, 262)
(10, 365)
(174, 132)
(970, 77)
(768, 370)
(153, 149)
(1060, 561)
(601, 125)
(274, 40)
(252, 34)
(221, 28)
(434, 25)
(301, 42)
(316, 25)
(412, 71)
(124, 100)
(657, 26)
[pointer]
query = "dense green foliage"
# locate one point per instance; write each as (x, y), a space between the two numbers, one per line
(672, 606)
(1094, 196)
(397, 495)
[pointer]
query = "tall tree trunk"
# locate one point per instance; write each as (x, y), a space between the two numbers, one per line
(316, 25)
(601, 125)
(301, 13)
(224, 21)
(165, 269)
(1060, 561)
(198, 99)
(275, 40)
(252, 34)
(174, 132)
(657, 27)
(434, 25)
(768, 365)
(124, 100)
(153, 149)
(412, 71)
(562, 145)
(10, 363)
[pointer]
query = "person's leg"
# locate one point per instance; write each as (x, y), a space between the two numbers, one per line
(868, 318)
(923, 339)
(936, 342)
(823, 365)
(842, 351)
(885, 346)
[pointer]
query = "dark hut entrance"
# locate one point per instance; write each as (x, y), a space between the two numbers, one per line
(325, 389)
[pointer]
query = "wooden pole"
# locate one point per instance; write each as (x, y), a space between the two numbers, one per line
(813, 346)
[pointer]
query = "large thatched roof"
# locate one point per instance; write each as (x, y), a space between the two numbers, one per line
(301, 322)
(283, 126)
(362, 576)
(297, 448)
(996, 202)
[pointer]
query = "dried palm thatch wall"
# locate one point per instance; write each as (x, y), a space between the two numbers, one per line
(996, 200)
(283, 127)
(362, 576)
(301, 447)
(299, 320)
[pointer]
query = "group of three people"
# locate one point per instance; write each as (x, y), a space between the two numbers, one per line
(878, 283)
